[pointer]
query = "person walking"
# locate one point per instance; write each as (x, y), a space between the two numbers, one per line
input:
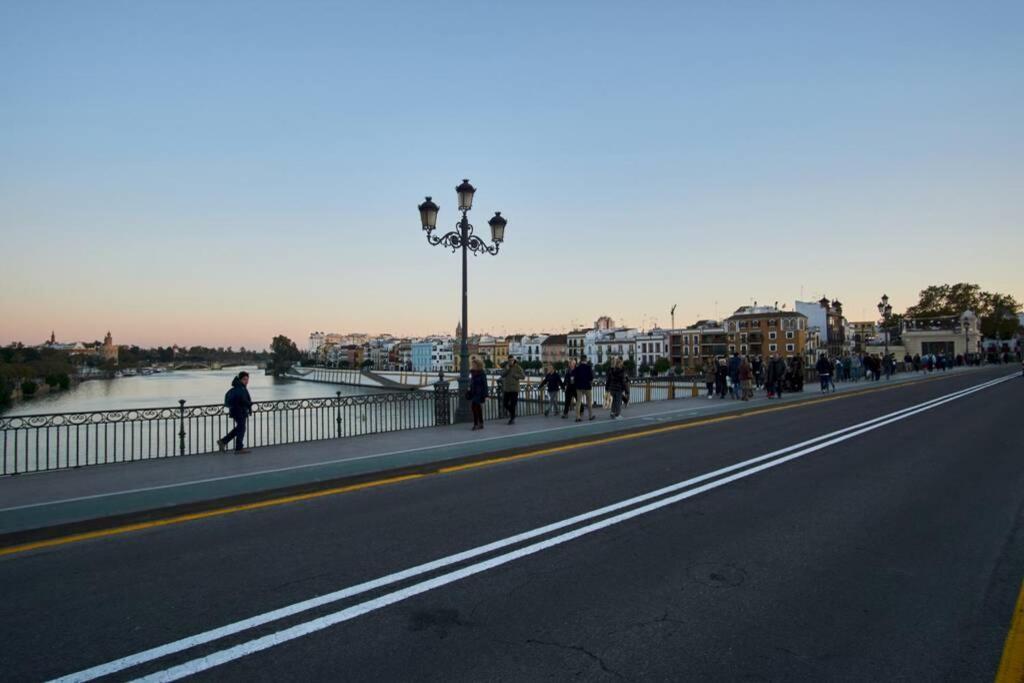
(721, 378)
(758, 368)
(746, 377)
(583, 378)
(775, 376)
(511, 375)
(552, 382)
(710, 374)
(617, 384)
(570, 389)
(239, 405)
(477, 392)
(824, 368)
(734, 376)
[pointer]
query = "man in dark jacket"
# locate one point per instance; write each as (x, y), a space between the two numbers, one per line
(824, 368)
(583, 381)
(239, 405)
(734, 375)
(776, 373)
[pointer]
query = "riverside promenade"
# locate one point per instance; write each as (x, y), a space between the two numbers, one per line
(47, 503)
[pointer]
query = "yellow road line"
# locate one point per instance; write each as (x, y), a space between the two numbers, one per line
(127, 528)
(272, 502)
(1011, 667)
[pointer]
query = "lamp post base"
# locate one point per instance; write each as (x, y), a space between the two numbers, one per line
(463, 413)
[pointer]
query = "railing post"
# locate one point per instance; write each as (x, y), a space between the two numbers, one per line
(672, 389)
(442, 403)
(647, 391)
(337, 412)
(181, 426)
(693, 389)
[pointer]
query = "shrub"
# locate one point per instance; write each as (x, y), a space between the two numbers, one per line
(28, 388)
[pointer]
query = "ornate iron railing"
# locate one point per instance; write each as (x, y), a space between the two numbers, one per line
(34, 443)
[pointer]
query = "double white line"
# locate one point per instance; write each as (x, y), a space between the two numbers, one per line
(660, 497)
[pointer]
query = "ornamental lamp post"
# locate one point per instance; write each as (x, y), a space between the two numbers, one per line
(885, 310)
(462, 237)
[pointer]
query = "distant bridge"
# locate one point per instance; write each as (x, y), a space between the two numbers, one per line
(366, 378)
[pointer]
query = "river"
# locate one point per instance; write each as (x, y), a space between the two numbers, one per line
(197, 387)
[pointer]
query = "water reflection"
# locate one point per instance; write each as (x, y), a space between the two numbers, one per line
(197, 387)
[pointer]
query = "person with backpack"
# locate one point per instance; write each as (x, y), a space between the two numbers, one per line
(239, 405)
(570, 389)
(552, 382)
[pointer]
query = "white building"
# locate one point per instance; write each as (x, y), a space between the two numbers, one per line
(611, 343)
(526, 347)
(650, 346)
(316, 342)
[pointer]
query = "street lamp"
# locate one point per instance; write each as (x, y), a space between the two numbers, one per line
(463, 238)
(885, 310)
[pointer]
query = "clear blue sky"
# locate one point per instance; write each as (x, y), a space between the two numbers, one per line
(216, 172)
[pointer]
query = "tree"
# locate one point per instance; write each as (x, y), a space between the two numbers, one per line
(28, 388)
(645, 369)
(5, 394)
(283, 352)
(630, 366)
(661, 366)
(367, 364)
(997, 312)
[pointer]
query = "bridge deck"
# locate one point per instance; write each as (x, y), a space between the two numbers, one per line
(37, 501)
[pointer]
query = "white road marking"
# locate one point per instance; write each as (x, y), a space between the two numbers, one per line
(223, 656)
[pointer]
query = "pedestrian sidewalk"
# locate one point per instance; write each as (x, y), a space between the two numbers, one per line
(33, 502)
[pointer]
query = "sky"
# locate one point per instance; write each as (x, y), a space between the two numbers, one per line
(221, 172)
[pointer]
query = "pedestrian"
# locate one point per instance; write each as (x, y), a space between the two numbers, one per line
(721, 378)
(583, 378)
(824, 368)
(734, 375)
(617, 384)
(710, 373)
(758, 368)
(746, 377)
(774, 376)
(511, 375)
(570, 388)
(552, 382)
(239, 405)
(477, 391)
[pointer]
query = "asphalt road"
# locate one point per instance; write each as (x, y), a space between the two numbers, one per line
(893, 551)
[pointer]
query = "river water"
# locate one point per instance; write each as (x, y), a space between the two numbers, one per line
(197, 387)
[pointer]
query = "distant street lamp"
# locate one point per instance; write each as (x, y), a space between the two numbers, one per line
(885, 310)
(463, 238)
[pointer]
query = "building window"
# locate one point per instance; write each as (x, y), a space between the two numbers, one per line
(789, 335)
(789, 347)
(772, 322)
(772, 348)
(772, 335)
(732, 348)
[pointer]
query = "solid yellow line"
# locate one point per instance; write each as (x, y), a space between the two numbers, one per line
(115, 531)
(1011, 667)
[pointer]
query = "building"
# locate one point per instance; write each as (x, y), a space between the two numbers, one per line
(827, 317)
(764, 330)
(494, 349)
(432, 355)
(316, 342)
(527, 348)
(554, 349)
(950, 335)
(108, 352)
(690, 347)
(575, 343)
(863, 333)
(608, 344)
(651, 346)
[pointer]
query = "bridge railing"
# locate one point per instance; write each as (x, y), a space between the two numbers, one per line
(35, 443)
